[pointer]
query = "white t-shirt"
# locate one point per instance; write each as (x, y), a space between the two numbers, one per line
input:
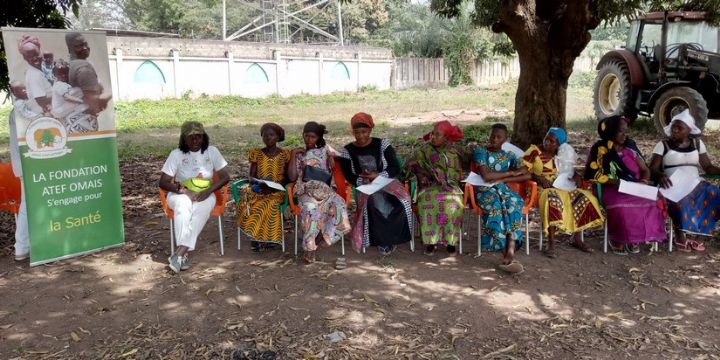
(61, 107)
(193, 164)
(37, 86)
(673, 160)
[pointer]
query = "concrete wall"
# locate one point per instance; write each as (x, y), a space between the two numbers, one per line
(158, 68)
(425, 72)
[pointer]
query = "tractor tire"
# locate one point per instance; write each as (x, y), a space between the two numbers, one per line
(612, 93)
(674, 101)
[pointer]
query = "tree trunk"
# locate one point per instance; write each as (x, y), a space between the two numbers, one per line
(539, 101)
(548, 36)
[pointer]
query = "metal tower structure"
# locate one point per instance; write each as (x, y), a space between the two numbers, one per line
(279, 21)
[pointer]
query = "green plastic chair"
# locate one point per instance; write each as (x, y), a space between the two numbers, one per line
(235, 190)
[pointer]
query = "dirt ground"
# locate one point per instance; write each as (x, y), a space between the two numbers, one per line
(125, 303)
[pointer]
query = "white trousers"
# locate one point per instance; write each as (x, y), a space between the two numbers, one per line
(22, 234)
(190, 217)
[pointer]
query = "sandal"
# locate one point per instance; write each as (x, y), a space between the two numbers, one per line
(429, 250)
(696, 245)
(683, 246)
(309, 257)
(618, 250)
(451, 250)
(634, 249)
(340, 263)
(550, 253)
(582, 247)
(512, 268)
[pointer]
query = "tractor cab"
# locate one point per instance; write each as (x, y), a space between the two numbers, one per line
(671, 62)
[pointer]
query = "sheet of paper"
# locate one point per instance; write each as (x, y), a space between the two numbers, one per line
(683, 181)
(513, 149)
(375, 186)
(638, 189)
(477, 180)
(270, 184)
(564, 182)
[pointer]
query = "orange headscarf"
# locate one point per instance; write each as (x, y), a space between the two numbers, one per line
(362, 118)
(452, 132)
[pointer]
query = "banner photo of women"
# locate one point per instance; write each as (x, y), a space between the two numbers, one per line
(64, 123)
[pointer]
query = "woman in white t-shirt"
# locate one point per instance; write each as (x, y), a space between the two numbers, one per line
(187, 176)
(698, 211)
(38, 88)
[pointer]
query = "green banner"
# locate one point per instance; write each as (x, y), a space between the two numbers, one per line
(74, 205)
(65, 125)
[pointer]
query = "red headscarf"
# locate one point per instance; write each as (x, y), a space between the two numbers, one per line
(362, 118)
(452, 132)
(27, 39)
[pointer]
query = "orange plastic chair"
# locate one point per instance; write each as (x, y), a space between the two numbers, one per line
(344, 190)
(526, 189)
(10, 195)
(221, 196)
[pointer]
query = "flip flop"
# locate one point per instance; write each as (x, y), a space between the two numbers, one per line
(634, 249)
(582, 247)
(512, 268)
(683, 246)
(696, 245)
(340, 263)
(618, 250)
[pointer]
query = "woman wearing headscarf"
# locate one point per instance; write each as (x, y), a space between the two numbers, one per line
(38, 88)
(632, 220)
(383, 219)
(259, 205)
(440, 199)
(187, 177)
(323, 215)
(562, 205)
(683, 152)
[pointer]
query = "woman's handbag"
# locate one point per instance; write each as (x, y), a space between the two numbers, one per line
(315, 173)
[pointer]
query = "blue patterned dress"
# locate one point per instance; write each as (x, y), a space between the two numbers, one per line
(502, 207)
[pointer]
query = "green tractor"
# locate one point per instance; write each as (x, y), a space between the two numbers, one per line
(671, 62)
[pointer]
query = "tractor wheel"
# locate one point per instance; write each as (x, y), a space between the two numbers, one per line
(674, 101)
(613, 91)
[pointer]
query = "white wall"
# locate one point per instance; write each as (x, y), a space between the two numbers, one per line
(246, 77)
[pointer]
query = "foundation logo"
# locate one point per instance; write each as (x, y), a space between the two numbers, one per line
(46, 138)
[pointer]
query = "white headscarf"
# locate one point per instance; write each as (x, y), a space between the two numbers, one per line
(687, 119)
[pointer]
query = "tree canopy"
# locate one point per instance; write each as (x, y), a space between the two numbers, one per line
(548, 37)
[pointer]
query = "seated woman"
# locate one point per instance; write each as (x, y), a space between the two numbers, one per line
(569, 211)
(383, 219)
(259, 205)
(699, 210)
(631, 219)
(440, 199)
(323, 215)
(502, 207)
(187, 177)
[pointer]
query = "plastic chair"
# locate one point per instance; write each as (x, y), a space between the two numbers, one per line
(10, 191)
(526, 189)
(221, 196)
(235, 191)
(342, 189)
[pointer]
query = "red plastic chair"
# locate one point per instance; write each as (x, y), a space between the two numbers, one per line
(221, 196)
(344, 190)
(10, 191)
(526, 189)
